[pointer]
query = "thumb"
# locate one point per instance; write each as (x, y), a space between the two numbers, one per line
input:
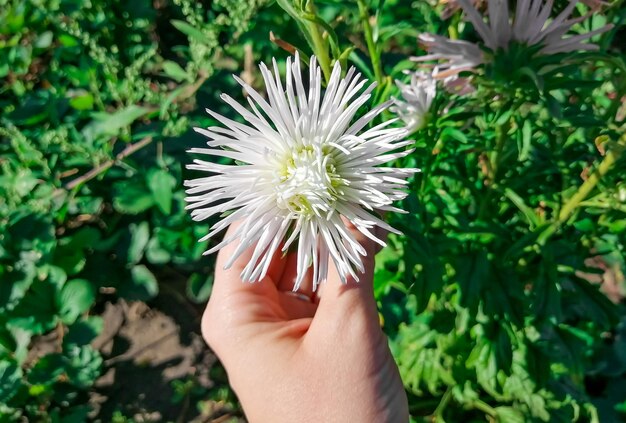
(339, 301)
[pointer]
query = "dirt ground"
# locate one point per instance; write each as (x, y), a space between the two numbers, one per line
(146, 348)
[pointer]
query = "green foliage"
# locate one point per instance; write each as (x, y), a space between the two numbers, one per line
(96, 100)
(486, 297)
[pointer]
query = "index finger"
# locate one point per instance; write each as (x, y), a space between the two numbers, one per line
(234, 258)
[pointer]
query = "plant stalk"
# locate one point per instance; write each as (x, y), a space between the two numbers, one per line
(438, 414)
(319, 46)
(371, 45)
(485, 408)
(494, 165)
(611, 157)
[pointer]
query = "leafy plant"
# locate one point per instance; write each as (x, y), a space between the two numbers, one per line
(488, 298)
(96, 103)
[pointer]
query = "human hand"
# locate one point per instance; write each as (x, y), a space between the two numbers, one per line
(321, 359)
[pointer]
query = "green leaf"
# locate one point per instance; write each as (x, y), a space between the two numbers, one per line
(70, 253)
(36, 313)
(173, 95)
(191, 32)
(10, 379)
(531, 217)
(67, 40)
(44, 40)
(15, 284)
(82, 102)
(142, 286)
(554, 107)
(585, 225)
(175, 71)
(109, 125)
(77, 414)
(162, 184)
(473, 270)
(199, 287)
(509, 415)
(32, 232)
(7, 343)
(524, 140)
(83, 332)
(155, 253)
(83, 366)
(140, 234)
(132, 197)
(45, 372)
(533, 76)
(454, 134)
(76, 297)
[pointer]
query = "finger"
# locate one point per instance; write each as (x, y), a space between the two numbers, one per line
(381, 233)
(290, 275)
(228, 278)
(339, 299)
(297, 305)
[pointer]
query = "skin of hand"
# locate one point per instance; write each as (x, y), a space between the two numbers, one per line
(290, 360)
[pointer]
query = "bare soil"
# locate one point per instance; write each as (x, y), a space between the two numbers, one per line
(146, 348)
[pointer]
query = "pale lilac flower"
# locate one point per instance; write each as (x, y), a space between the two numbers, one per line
(453, 5)
(531, 25)
(302, 165)
(417, 98)
(453, 56)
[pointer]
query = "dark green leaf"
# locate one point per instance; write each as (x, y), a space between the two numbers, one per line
(36, 312)
(83, 366)
(108, 125)
(10, 379)
(199, 287)
(174, 71)
(191, 32)
(83, 332)
(162, 184)
(132, 197)
(509, 415)
(140, 234)
(142, 286)
(76, 297)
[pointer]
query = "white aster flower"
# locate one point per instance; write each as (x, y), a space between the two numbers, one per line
(531, 26)
(303, 165)
(417, 99)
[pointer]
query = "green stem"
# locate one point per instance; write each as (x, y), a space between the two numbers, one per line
(427, 168)
(320, 47)
(611, 112)
(371, 46)
(494, 165)
(438, 414)
(612, 156)
(602, 205)
(320, 51)
(501, 132)
(453, 30)
(485, 408)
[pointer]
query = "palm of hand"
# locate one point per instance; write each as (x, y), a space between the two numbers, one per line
(295, 360)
